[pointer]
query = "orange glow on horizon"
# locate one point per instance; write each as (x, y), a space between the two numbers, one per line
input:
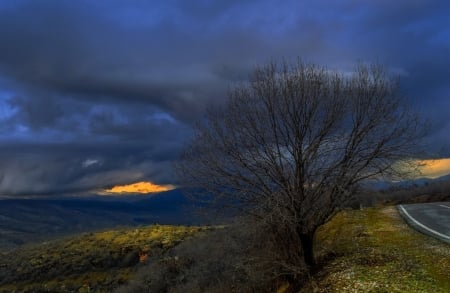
(142, 187)
(435, 168)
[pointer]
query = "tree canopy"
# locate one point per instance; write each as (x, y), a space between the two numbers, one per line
(292, 144)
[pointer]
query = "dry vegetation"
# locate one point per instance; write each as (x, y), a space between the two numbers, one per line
(433, 191)
(369, 250)
(94, 262)
(375, 251)
(236, 258)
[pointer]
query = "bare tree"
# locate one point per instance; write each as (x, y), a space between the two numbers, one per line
(291, 146)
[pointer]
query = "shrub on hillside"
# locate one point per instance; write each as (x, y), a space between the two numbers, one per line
(238, 258)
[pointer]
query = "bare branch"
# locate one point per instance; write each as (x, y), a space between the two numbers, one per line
(293, 144)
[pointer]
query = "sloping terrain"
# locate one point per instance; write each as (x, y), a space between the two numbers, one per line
(373, 250)
(92, 262)
(32, 220)
(369, 250)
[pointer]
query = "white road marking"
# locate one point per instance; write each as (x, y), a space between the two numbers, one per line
(423, 226)
(444, 206)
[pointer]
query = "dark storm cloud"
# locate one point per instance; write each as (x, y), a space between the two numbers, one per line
(66, 168)
(82, 50)
(414, 36)
(125, 80)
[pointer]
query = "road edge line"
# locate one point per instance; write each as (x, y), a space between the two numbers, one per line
(410, 219)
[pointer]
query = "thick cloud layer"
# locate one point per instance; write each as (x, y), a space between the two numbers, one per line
(98, 93)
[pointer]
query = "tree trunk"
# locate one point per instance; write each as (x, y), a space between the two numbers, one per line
(308, 249)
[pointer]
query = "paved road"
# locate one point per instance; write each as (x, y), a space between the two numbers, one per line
(430, 218)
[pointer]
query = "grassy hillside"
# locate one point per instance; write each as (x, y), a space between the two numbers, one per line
(375, 251)
(94, 262)
(25, 221)
(370, 250)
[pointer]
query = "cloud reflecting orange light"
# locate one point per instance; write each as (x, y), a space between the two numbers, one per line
(429, 168)
(435, 168)
(139, 187)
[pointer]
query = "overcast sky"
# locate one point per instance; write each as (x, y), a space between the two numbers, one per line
(100, 93)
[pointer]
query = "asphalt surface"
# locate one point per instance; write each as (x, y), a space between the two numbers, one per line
(432, 219)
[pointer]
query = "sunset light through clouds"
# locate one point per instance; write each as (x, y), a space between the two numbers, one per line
(106, 96)
(138, 187)
(435, 168)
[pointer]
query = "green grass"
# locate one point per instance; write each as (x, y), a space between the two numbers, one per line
(92, 262)
(373, 250)
(370, 250)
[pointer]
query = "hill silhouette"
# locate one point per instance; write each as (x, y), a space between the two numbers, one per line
(39, 219)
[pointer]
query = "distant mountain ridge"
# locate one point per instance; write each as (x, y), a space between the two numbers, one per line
(383, 184)
(30, 220)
